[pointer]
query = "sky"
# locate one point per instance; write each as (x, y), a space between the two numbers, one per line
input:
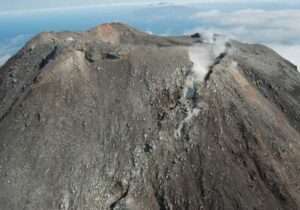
(274, 23)
(35, 4)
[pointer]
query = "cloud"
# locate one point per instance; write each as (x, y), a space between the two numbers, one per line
(279, 29)
(9, 6)
(10, 46)
(290, 52)
(3, 59)
(280, 26)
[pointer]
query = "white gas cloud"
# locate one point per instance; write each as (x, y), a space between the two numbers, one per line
(202, 58)
(205, 54)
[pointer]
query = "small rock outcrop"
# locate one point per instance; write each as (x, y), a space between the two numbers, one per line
(116, 119)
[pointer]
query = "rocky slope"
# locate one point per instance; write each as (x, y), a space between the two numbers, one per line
(117, 119)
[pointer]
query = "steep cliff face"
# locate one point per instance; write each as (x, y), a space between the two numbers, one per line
(116, 119)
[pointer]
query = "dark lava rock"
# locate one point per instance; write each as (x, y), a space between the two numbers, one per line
(196, 35)
(103, 120)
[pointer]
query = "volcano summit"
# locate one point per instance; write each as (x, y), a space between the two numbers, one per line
(114, 118)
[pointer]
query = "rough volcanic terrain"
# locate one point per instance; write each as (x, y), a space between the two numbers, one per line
(116, 119)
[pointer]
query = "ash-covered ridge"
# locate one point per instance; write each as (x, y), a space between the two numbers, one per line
(114, 118)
